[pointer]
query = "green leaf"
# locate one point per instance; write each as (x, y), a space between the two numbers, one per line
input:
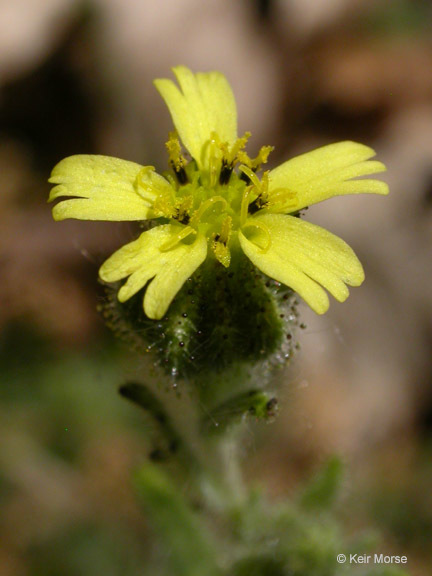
(186, 540)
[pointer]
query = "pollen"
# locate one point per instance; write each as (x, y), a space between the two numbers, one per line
(220, 243)
(217, 201)
(176, 160)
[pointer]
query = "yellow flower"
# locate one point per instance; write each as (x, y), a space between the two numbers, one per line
(214, 205)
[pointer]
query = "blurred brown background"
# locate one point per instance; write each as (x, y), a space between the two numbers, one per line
(76, 77)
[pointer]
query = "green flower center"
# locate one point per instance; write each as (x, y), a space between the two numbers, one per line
(216, 201)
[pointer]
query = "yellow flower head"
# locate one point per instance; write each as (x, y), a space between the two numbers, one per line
(213, 204)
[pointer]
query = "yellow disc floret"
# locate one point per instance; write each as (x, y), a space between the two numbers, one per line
(214, 202)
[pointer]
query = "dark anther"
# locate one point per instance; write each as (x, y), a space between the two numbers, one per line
(245, 178)
(217, 239)
(225, 173)
(255, 205)
(181, 176)
(180, 173)
(184, 219)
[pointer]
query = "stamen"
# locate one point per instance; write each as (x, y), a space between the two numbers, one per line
(222, 253)
(184, 206)
(256, 205)
(183, 218)
(255, 163)
(181, 175)
(220, 243)
(252, 176)
(245, 178)
(177, 161)
(225, 230)
(262, 157)
(233, 155)
(176, 238)
(261, 188)
(256, 224)
(164, 206)
(230, 157)
(225, 173)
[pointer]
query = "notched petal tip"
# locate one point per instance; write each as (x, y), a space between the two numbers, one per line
(56, 192)
(356, 275)
(109, 272)
(58, 212)
(153, 312)
(124, 294)
(62, 168)
(307, 258)
(332, 170)
(145, 261)
(176, 266)
(381, 187)
(102, 188)
(201, 105)
(319, 306)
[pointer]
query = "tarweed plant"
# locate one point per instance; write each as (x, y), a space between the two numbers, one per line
(210, 291)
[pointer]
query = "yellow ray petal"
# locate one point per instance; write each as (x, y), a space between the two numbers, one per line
(103, 188)
(305, 257)
(136, 255)
(145, 258)
(327, 172)
(176, 266)
(203, 105)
